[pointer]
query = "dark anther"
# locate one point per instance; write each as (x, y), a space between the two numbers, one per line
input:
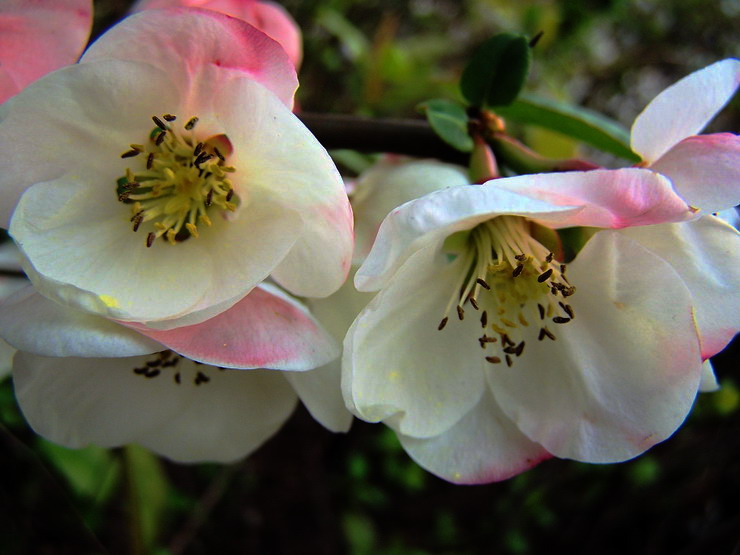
(209, 198)
(562, 268)
(442, 324)
(494, 360)
(218, 153)
(548, 333)
(474, 303)
(510, 350)
(483, 284)
(159, 123)
(141, 370)
(560, 320)
(202, 157)
(460, 312)
(229, 195)
(160, 138)
(153, 374)
(124, 196)
(519, 349)
(541, 336)
(169, 117)
(506, 340)
(545, 275)
(521, 257)
(549, 257)
(568, 310)
(131, 153)
(150, 161)
(191, 123)
(484, 319)
(542, 311)
(177, 377)
(198, 149)
(508, 361)
(131, 185)
(200, 378)
(150, 239)
(518, 270)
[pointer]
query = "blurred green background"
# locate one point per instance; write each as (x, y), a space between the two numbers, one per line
(309, 491)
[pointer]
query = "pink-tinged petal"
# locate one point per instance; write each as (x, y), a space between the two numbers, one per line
(31, 322)
(390, 183)
(623, 374)
(39, 37)
(78, 120)
(269, 17)
(485, 446)
(266, 329)
(708, 379)
(320, 393)
(607, 198)
(599, 198)
(705, 253)
(684, 109)
(397, 362)
(705, 170)
(164, 38)
(188, 412)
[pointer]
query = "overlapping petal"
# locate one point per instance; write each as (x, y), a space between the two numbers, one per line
(208, 415)
(684, 109)
(39, 37)
(622, 375)
(705, 253)
(269, 17)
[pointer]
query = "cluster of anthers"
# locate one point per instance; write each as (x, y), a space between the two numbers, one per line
(514, 283)
(167, 359)
(180, 179)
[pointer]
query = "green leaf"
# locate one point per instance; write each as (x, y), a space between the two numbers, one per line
(449, 121)
(496, 73)
(582, 124)
(147, 488)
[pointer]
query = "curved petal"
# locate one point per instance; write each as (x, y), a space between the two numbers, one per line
(705, 253)
(83, 253)
(279, 158)
(270, 18)
(39, 37)
(78, 121)
(209, 415)
(319, 391)
(389, 184)
(396, 361)
(266, 329)
(623, 374)
(684, 109)
(164, 38)
(708, 379)
(600, 198)
(705, 170)
(31, 322)
(485, 446)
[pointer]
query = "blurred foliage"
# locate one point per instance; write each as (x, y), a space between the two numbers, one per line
(309, 491)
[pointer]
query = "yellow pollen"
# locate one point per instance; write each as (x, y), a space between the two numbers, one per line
(514, 280)
(180, 178)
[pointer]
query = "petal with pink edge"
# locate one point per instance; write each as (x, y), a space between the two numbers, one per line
(269, 17)
(705, 253)
(705, 170)
(187, 412)
(623, 374)
(684, 109)
(485, 446)
(266, 329)
(164, 38)
(39, 37)
(31, 322)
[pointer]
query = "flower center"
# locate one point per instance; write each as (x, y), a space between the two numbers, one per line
(179, 180)
(515, 283)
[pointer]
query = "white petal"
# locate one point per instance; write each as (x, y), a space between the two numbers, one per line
(31, 322)
(84, 253)
(389, 184)
(705, 253)
(705, 170)
(78, 121)
(684, 109)
(319, 391)
(485, 446)
(396, 361)
(76, 402)
(708, 379)
(622, 375)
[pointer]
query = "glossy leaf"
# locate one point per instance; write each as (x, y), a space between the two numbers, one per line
(449, 121)
(579, 123)
(496, 73)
